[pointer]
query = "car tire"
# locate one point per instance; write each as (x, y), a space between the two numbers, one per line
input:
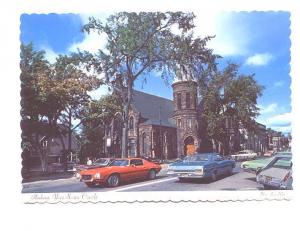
(90, 184)
(113, 180)
(182, 179)
(230, 171)
(152, 174)
(213, 176)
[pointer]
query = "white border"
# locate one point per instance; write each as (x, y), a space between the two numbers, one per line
(265, 215)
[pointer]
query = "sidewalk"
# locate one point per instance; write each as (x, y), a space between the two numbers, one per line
(39, 176)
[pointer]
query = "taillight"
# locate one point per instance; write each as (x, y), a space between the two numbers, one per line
(286, 177)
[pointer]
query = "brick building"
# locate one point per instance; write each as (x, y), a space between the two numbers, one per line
(167, 129)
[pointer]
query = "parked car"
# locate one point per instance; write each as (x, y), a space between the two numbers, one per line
(201, 165)
(277, 174)
(269, 153)
(151, 159)
(101, 162)
(244, 155)
(119, 170)
(253, 166)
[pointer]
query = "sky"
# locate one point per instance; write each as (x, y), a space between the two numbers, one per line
(257, 41)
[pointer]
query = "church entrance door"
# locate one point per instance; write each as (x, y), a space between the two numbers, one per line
(189, 146)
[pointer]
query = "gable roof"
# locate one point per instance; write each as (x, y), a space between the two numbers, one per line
(152, 107)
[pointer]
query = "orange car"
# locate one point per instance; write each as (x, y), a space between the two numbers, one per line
(123, 169)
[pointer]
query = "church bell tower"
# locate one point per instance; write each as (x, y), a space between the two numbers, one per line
(185, 116)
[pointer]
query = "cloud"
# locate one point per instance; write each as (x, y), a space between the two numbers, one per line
(269, 108)
(92, 42)
(96, 94)
(50, 55)
(261, 59)
(278, 84)
(232, 36)
(281, 120)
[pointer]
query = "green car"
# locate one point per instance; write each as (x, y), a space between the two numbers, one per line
(254, 165)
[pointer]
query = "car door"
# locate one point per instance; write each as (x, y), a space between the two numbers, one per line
(139, 169)
(220, 164)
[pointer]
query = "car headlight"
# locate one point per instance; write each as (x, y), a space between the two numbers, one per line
(97, 175)
(199, 171)
(170, 171)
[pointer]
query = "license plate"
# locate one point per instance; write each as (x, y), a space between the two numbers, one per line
(185, 174)
(268, 179)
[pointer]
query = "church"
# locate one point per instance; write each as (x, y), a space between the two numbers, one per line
(158, 127)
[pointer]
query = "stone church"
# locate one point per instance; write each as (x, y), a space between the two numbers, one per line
(158, 127)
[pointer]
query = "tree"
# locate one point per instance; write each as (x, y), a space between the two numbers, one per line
(52, 92)
(139, 43)
(33, 66)
(97, 116)
(228, 98)
(73, 84)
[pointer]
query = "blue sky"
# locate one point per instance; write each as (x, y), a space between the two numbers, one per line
(257, 41)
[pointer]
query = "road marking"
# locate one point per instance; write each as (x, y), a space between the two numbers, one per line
(141, 185)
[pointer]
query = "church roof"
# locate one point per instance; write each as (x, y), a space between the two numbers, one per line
(152, 107)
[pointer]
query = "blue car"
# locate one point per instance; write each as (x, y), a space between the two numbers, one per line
(202, 165)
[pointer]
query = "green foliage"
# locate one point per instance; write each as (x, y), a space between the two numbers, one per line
(228, 96)
(139, 43)
(97, 116)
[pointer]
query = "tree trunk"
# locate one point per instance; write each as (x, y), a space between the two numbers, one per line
(63, 151)
(125, 118)
(69, 139)
(42, 153)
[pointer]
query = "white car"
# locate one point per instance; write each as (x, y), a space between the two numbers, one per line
(244, 155)
(277, 174)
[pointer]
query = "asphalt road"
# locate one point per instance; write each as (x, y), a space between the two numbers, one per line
(239, 180)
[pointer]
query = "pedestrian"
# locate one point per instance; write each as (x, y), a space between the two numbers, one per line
(89, 161)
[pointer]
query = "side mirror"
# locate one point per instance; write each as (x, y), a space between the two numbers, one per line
(132, 165)
(258, 170)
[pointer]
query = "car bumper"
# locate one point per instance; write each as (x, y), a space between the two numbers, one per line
(186, 174)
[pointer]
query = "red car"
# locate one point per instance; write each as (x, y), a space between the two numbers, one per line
(119, 170)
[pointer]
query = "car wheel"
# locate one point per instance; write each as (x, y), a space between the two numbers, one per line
(182, 179)
(113, 180)
(230, 171)
(152, 174)
(90, 184)
(214, 176)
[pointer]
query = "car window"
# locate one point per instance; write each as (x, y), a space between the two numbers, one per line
(284, 163)
(100, 161)
(136, 162)
(200, 157)
(119, 163)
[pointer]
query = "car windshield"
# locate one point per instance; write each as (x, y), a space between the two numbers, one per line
(100, 161)
(284, 163)
(199, 157)
(119, 163)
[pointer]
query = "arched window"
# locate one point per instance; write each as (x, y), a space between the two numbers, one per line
(178, 101)
(188, 100)
(131, 120)
(144, 144)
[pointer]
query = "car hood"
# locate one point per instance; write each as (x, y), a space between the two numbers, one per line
(257, 163)
(277, 173)
(92, 171)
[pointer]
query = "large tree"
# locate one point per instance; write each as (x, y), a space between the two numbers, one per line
(229, 102)
(97, 116)
(49, 93)
(140, 43)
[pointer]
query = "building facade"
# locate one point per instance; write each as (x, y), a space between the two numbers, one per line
(166, 129)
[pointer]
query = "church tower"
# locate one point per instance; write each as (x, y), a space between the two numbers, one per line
(185, 116)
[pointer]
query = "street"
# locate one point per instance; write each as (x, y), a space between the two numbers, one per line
(239, 180)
